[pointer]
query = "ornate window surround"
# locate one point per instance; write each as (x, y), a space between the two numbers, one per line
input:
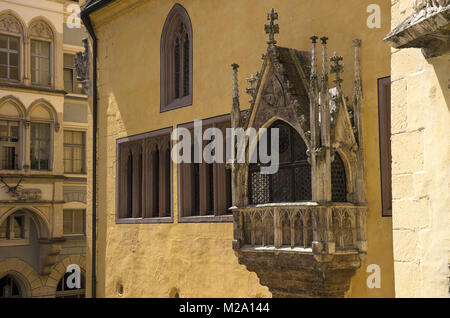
(12, 25)
(42, 30)
(177, 15)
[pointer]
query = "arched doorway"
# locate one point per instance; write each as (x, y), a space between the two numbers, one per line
(10, 287)
(292, 182)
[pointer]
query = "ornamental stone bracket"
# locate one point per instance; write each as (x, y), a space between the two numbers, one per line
(427, 28)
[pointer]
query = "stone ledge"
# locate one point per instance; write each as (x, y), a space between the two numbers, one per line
(428, 30)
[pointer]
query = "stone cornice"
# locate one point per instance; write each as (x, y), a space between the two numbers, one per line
(427, 28)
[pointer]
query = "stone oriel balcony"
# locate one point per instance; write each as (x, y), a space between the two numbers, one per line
(301, 249)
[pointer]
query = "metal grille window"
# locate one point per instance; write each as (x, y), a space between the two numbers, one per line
(40, 62)
(40, 146)
(71, 84)
(338, 180)
(9, 144)
(74, 222)
(292, 182)
(9, 58)
(74, 151)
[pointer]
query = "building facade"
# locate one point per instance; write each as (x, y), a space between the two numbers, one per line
(315, 228)
(420, 121)
(44, 135)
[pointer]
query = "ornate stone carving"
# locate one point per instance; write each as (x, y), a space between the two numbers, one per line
(426, 28)
(274, 94)
(316, 246)
(40, 29)
(19, 193)
(9, 24)
(83, 67)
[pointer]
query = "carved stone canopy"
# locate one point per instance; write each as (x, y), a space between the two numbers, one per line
(427, 28)
(10, 24)
(40, 29)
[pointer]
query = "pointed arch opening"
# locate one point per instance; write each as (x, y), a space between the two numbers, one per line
(292, 182)
(176, 60)
(11, 46)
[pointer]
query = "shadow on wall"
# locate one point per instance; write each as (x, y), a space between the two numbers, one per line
(441, 67)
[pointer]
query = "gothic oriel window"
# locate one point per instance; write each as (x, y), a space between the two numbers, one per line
(144, 176)
(205, 188)
(292, 182)
(176, 60)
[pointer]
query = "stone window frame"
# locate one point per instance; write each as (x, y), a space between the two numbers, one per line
(163, 132)
(177, 15)
(82, 146)
(15, 29)
(40, 29)
(72, 233)
(384, 128)
(216, 218)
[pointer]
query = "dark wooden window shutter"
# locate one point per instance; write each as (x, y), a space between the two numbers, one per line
(144, 176)
(384, 121)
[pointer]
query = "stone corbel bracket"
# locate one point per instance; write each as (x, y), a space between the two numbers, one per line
(428, 29)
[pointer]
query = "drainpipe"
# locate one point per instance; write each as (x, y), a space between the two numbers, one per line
(87, 22)
(84, 15)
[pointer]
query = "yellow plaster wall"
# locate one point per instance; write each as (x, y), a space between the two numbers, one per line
(197, 259)
(420, 168)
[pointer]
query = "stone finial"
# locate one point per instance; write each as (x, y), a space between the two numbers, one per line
(337, 68)
(235, 81)
(272, 28)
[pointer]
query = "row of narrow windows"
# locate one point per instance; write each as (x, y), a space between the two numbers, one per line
(205, 189)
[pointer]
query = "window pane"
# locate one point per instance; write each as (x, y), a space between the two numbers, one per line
(67, 159)
(3, 42)
(14, 73)
(78, 138)
(3, 128)
(68, 80)
(4, 230)
(14, 44)
(14, 59)
(18, 224)
(34, 69)
(67, 137)
(45, 49)
(77, 159)
(45, 71)
(34, 47)
(3, 71)
(3, 58)
(67, 221)
(14, 129)
(78, 227)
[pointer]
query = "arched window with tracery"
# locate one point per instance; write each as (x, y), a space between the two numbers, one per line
(338, 180)
(176, 60)
(11, 46)
(41, 46)
(292, 182)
